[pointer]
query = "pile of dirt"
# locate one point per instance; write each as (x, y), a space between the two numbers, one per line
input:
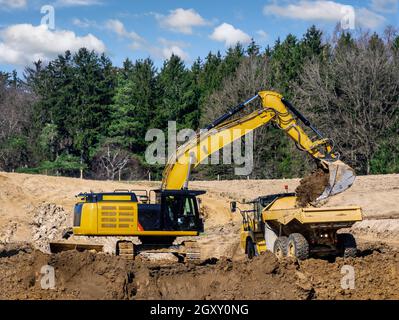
(262, 278)
(49, 221)
(78, 275)
(7, 233)
(311, 187)
(87, 275)
(386, 230)
(376, 277)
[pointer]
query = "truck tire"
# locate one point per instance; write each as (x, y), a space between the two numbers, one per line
(346, 245)
(298, 246)
(250, 248)
(280, 247)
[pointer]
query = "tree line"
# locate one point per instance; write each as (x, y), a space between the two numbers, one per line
(80, 112)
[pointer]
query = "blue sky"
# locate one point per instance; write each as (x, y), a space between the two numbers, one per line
(189, 28)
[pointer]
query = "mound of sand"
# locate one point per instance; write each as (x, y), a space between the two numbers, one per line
(77, 275)
(86, 275)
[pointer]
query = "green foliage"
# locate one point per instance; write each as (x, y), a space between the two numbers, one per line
(64, 164)
(133, 105)
(386, 159)
(70, 108)
(75, 92)
(177, 97)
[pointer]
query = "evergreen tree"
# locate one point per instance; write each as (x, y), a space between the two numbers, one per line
(253, 49)
(133, 105)
(176, 96)
(312, 43)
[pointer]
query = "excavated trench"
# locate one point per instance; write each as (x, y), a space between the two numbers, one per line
(87, 275)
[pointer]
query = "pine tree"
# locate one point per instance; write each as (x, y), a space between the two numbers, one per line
(176, 97)
(312, 43)
(253, 49)
(133, 105)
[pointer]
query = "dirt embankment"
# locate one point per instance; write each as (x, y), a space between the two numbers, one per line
(100, 276)
(78, 275)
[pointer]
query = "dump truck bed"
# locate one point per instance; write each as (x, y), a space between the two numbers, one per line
(283, 210)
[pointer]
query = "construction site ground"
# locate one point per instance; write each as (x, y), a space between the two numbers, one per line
(35, 209)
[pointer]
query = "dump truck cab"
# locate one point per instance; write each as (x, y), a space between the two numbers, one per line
(275, 223)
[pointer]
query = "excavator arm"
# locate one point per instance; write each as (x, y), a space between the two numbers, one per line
(225, 130)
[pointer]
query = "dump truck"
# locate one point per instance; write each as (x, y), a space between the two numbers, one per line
(275, 223)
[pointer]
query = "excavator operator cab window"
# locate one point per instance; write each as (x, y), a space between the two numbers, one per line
(180, 213)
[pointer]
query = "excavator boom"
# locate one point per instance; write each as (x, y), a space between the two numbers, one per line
(227, 129)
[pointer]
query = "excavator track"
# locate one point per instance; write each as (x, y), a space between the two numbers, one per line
(125, 249)
(192, 251)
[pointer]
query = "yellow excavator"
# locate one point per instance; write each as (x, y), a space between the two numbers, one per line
(157, 218)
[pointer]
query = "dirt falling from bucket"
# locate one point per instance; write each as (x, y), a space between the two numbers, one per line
(311, 187)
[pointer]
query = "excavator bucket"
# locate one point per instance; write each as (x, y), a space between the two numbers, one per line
(341, 178)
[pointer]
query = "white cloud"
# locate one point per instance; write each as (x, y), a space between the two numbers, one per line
(21, 44)
(176, 50)
(181, 20)
(164, 48)
(77, 3)
(85, 23)
(169, 47)
(229, 35)
(307, 10)
(321, 10)
(118, 27)
(369, 19)
(13, 4)
(385, 6)
(262, 34)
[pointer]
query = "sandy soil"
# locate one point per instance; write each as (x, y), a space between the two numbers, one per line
(86, 275)
(23, 197)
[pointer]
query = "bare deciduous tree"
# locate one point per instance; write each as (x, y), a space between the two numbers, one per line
(353, 97)
(15, 117)
(113, 160)
(270, 147)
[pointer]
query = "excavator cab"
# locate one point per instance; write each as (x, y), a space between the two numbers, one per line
(180, 209)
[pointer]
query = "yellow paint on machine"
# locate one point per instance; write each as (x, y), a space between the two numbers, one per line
(284, 210)
(116, 197)
(112, 216)
(116, 218)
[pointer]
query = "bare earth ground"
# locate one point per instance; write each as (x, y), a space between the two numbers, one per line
(35, 208)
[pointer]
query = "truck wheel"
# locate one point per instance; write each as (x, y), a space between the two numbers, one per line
(250, 249)
(298, 246)
(280, 247)
(346, 245)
